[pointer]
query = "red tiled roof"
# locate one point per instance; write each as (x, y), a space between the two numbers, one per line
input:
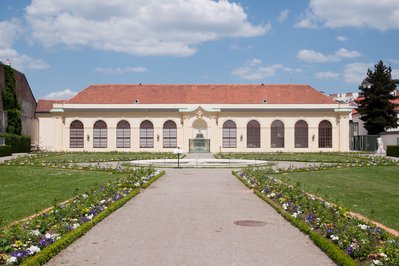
(45, 106)
(200, 94)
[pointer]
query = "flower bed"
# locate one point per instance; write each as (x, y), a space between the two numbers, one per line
(363, 242)
(66, 222)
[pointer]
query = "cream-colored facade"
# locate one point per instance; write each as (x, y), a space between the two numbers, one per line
(192, 121)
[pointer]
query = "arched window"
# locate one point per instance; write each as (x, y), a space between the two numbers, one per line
(277, 134)
(325, 134)
(100, 134)
(123, 134)
(253, 134)
(169, 134)
(146, 134)
(76, 135)
(301, 134)
(229, 134)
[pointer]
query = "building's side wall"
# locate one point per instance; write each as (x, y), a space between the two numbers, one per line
(54, 129)
(25, 99)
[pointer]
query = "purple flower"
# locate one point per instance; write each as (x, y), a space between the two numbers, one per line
(311, 217)
(330, 231)
(43, 242)
(20, 254)
(349, 251)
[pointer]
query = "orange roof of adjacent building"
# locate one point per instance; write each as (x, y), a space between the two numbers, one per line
(200, 94)
(44, 106)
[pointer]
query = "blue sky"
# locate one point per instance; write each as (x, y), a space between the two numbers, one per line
(63, 46)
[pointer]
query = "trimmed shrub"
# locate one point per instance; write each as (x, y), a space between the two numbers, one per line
(18, 143)
(393, 150)
(5, 150)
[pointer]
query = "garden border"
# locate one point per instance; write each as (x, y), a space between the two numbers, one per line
(334, 252)
(49, 252)
(152, 180)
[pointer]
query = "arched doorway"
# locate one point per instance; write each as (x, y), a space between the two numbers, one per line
(199, 141)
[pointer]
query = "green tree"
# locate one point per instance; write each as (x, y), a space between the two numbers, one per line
(10, 103)
(375, 100)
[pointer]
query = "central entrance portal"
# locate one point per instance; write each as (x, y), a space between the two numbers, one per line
(199, 143)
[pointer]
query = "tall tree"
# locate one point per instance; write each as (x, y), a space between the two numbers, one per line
(375, 102)
(10, 103)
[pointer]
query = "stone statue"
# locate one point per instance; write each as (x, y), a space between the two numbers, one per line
(380, 149)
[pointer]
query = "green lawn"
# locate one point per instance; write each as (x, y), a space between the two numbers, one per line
(26, 190)
(76, 157)
(371, 191)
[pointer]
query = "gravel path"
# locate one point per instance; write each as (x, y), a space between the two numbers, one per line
(187, 218)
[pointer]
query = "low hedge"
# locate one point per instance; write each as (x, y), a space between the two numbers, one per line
(5, 150)
(334, 252)
(152, 180)
(18, 143)
(244, 181)
(49, 252)
(393, 150)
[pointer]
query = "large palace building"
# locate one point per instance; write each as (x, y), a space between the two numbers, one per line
(197, 118)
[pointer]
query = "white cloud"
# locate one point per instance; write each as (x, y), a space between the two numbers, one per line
(120, 70)
(150, 27)
(10, 31)
(326, 75)
(22, 61)
(355, 73)
(312, 56)
(342, 38)
(283, 15)
(253, 69)
(344, 53)
(239, 47)
(381, 15)
(61, 95)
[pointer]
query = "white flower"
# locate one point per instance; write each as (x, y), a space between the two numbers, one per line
(102, 202)
(271, 195)
(33, 249)
(363, 226)
(85, 196)
(48, 235)
(377, 262)
(12, 260)
(334, 238)
(383, 255)
(75, 225)
(137, 184)
(89, 216)
(295, 214)
(285, 206)
(35, 232)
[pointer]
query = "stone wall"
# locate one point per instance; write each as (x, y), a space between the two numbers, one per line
(25, 99)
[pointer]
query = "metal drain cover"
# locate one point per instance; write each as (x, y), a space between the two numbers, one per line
(250, 223)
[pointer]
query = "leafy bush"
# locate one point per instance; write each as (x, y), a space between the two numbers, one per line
(393, 150)
(18, 143)
(5, 150)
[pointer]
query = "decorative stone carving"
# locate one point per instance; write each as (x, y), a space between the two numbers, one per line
(380, 149)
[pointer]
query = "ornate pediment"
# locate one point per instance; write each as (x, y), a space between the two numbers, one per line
(200, 112)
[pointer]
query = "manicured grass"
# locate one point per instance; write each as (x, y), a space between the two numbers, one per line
(76, 157)
(26, 190)
(371, 191)
(332, 157)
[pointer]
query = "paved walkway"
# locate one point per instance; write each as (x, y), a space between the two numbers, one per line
(187, 218)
